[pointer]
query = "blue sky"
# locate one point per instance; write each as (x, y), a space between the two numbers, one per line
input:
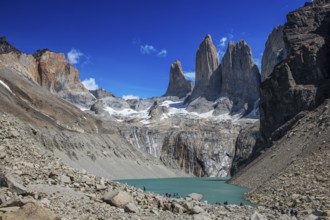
(127, 46)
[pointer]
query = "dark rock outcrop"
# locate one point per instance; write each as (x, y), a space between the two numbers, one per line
(302, 81)
(206, 63)
(6, 47)
(274, 52)
(245, 146)
(178, 85)
(240, 77)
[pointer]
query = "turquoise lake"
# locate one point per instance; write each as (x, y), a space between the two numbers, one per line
(213, 189)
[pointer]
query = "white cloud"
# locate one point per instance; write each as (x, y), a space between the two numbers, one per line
(162, 53)
(147, 49)
(90, 84)
(221, 53)
(223, 41)
(190, 75)
(127, 97)
(74, 56)
(257, 61)
(222, 45)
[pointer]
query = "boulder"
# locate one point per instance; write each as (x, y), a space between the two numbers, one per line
(179, 208)
(14, 184)
(197, 210)
(117, 198)
(196, 196)
(257, 216)
(65, 179)
(131, 207)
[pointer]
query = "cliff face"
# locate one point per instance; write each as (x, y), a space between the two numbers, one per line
(274, 52)
(301, 81)
(48, 69)
(56, 72)
(24, 64)
(240, 76)
(298, 84)
(178, 85)
(58, 76)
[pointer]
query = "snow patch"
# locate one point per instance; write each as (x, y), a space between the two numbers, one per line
(6, 86)
(127, 113)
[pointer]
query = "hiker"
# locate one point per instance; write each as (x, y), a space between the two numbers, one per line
(172, 207)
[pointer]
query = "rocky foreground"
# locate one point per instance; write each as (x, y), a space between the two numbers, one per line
(37, 185)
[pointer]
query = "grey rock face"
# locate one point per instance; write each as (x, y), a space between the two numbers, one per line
(245, 145)
(274, 52)
(200, 105)
(101, 93)
(178, 85)
(206, 63)
(300, 82)
(202, 149)
(240, 76)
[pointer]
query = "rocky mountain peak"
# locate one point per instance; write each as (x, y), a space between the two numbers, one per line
(6, 47)
(178, 85)
(207, 60)
(274, 52)
(240, 76)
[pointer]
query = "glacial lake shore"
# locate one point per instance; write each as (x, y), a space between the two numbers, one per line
(214, 190)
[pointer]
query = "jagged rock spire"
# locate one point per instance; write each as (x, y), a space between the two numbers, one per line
(240, 75)
(178, 85)
(207, 61)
